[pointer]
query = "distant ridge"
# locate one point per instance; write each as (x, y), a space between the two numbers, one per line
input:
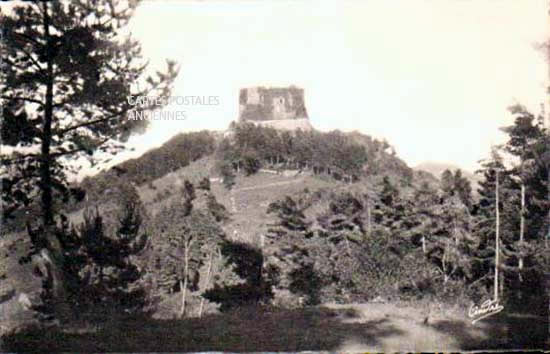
(437, 168)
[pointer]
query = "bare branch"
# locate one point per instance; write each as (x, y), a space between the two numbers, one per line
(28, 56)
(92, 122)
(29, 38)
(22, 99)
(74, 151)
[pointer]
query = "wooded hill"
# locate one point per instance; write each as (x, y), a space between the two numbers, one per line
(248, 148)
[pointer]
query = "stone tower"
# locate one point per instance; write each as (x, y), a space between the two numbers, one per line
(260, 104)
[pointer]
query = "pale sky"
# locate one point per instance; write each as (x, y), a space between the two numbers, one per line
(434, 78)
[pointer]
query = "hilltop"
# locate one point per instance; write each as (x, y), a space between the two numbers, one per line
(162, 169)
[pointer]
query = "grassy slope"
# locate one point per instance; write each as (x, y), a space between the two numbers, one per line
(250, 197)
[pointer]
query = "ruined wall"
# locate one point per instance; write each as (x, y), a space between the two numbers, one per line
(260, 103)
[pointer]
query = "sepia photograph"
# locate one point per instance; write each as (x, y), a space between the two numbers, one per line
(282, 176)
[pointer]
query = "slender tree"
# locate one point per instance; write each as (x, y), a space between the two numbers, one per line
(68, 93)
(524, 142)
(114, 272)
(184, 241)
(425, 199)
(447, 181)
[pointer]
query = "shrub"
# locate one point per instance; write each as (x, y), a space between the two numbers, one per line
(251, 163)
(218, 211)
(204, 184)
(228, 176)
(254, 286)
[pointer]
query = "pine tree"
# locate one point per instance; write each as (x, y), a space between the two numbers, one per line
(425, 200)
(286, 248)
(68, 81)
(345, 218)
(113, 271)
(463, 188)
(247, 281)
(442, 225)
(389, 192)
(447, 181)
(185, 240)
(318, 255)
(507, 223)
(453, 243)
(527, 142)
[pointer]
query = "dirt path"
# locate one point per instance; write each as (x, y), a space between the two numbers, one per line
(233, 202)
(269, 185)
(410, 328)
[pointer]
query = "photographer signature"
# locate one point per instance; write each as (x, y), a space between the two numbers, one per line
(488, 308)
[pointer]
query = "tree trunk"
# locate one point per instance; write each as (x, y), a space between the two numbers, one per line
(52, 254)
(183, 285)
(424, 244)
(368, 218)
(548, 186)
(497, 240)
(521, 228)
(182, 308)
(45, 158)
(501, 285)
(347, 246)
(444, 264)
(208, 273)
(548, 160)
(455, 232)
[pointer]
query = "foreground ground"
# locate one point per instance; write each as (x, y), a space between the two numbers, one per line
(341, 328)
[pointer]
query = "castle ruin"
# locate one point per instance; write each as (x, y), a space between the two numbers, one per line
(260, 104)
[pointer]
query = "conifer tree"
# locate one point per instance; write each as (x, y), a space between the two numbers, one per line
(69, 75)
(113, 270)
(185, 241)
